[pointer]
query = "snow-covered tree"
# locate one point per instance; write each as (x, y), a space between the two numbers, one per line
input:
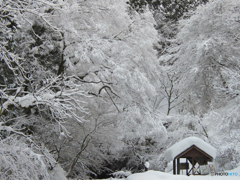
(109, 53)
(31, 85)
(172, 9)
(169, 90)
(205, 52)
(31, 53)
(206, 60)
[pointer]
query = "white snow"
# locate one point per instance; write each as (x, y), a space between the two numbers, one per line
(183, 145)
(25, 101)
(7, 128)
(150, 175)
(57, 173)
(147, 164)
(156, 175)
(30, 99)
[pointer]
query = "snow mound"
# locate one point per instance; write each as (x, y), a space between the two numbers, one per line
(183, 145)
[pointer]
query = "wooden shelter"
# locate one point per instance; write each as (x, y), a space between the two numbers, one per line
(195, 156)
(196, 152)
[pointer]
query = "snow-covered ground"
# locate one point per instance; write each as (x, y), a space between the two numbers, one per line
(157, 175)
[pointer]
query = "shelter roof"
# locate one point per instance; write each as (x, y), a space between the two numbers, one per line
(185, 144)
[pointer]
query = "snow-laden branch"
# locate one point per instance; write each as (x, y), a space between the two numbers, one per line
(12, 61)
(64, 103)
(9, 10)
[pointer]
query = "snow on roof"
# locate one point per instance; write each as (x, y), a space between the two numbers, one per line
(183, 145)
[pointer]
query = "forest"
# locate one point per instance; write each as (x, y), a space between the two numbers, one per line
(94, 87)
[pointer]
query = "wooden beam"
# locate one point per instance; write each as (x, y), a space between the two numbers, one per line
(178, 165)
(193, 165)
(174, 168)
(200, 163)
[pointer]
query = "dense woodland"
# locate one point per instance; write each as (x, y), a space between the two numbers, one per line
(98, 86)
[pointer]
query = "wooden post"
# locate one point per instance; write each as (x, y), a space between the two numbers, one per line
(178, 165)
(193, 165)
(174, 168)
(186, 168)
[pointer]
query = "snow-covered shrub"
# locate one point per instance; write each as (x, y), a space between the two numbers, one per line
(159, 163)
(227, 159)
(223, 130)
(121, 174)
(18, 161)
